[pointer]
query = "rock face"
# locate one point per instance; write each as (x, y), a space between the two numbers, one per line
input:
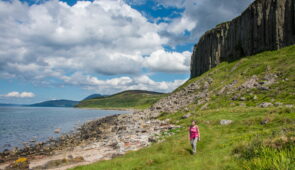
(264, 25)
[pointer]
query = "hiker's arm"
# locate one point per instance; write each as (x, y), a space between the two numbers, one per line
(199, 133)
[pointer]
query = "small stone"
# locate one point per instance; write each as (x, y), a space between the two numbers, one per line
(225, 122)
(235, 97)
(186, 116)
(57, 130)
(206, 85)
(205, 106)
(70, 157)
(278, 104)
(152, 139)
(255, 97)
(289, 105)
(243, 98)
(266, 104)
(264, 88)
(265, 121)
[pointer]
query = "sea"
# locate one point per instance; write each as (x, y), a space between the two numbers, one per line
(20, 125)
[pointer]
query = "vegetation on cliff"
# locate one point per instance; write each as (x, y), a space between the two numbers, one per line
(132, 99)
(256, 93)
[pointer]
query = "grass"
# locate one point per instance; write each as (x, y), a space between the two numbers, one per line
(123, 100)
(258, 138)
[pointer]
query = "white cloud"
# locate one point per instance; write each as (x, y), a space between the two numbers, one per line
(52, 38)
(103, 37)
(179, 25)
(199, 16)
(19, 94)
(162, 61)
(114, 85)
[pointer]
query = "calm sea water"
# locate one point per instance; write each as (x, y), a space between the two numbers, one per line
(22, 124)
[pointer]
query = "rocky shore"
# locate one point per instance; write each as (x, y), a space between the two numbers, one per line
(100, 139)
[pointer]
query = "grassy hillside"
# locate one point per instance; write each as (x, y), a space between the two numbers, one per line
(258, 138)
(136, 99)
(55, 103)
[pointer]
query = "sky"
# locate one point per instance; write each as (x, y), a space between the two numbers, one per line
(68, 49)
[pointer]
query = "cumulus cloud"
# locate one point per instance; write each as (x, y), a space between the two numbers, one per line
(52, 40)
(198, 17)
(142, 82)
(53, 37)
(162, 61)
(19, 94)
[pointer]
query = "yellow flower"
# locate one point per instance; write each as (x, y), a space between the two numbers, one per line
(20, 160)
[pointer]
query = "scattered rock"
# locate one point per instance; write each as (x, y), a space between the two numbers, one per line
(152, 139)
(235, 97)
(266, 104)
(242, 98)
(278, 104)
(57, 130)
(289, 105)
(251, 83)
(225, 122)
(205, 106)
(186, 116)
(265, 121)
(263, 88)
(206, 85)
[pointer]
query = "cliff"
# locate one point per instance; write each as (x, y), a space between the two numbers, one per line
(264, 25)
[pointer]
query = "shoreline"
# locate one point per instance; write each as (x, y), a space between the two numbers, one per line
(115, 109)
(57, 130)
(100, 139)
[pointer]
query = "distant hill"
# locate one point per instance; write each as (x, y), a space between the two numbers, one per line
(92, 96)
(56, 103)
(123, 100)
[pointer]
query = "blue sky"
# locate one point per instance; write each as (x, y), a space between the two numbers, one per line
(70, 49)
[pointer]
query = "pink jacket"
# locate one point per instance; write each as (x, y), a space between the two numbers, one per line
(194, 132)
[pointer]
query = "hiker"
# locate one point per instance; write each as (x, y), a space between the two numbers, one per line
(194, 136)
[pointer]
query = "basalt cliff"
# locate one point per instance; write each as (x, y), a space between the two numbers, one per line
(264, 25)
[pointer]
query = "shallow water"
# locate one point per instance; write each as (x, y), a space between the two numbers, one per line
(22, 124)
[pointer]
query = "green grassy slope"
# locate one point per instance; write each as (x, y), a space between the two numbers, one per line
(258, 138)
(135, 99)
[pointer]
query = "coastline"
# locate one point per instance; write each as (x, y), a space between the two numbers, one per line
(99, 139)
(111, 108)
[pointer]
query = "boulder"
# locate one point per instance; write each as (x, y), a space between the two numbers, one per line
(266, 104)
(278, 104)
(265, 121)
(225, 122)
(289, 105)
(57, 130)
(186, 116)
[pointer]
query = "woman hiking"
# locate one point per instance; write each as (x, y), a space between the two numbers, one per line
(194, 136)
